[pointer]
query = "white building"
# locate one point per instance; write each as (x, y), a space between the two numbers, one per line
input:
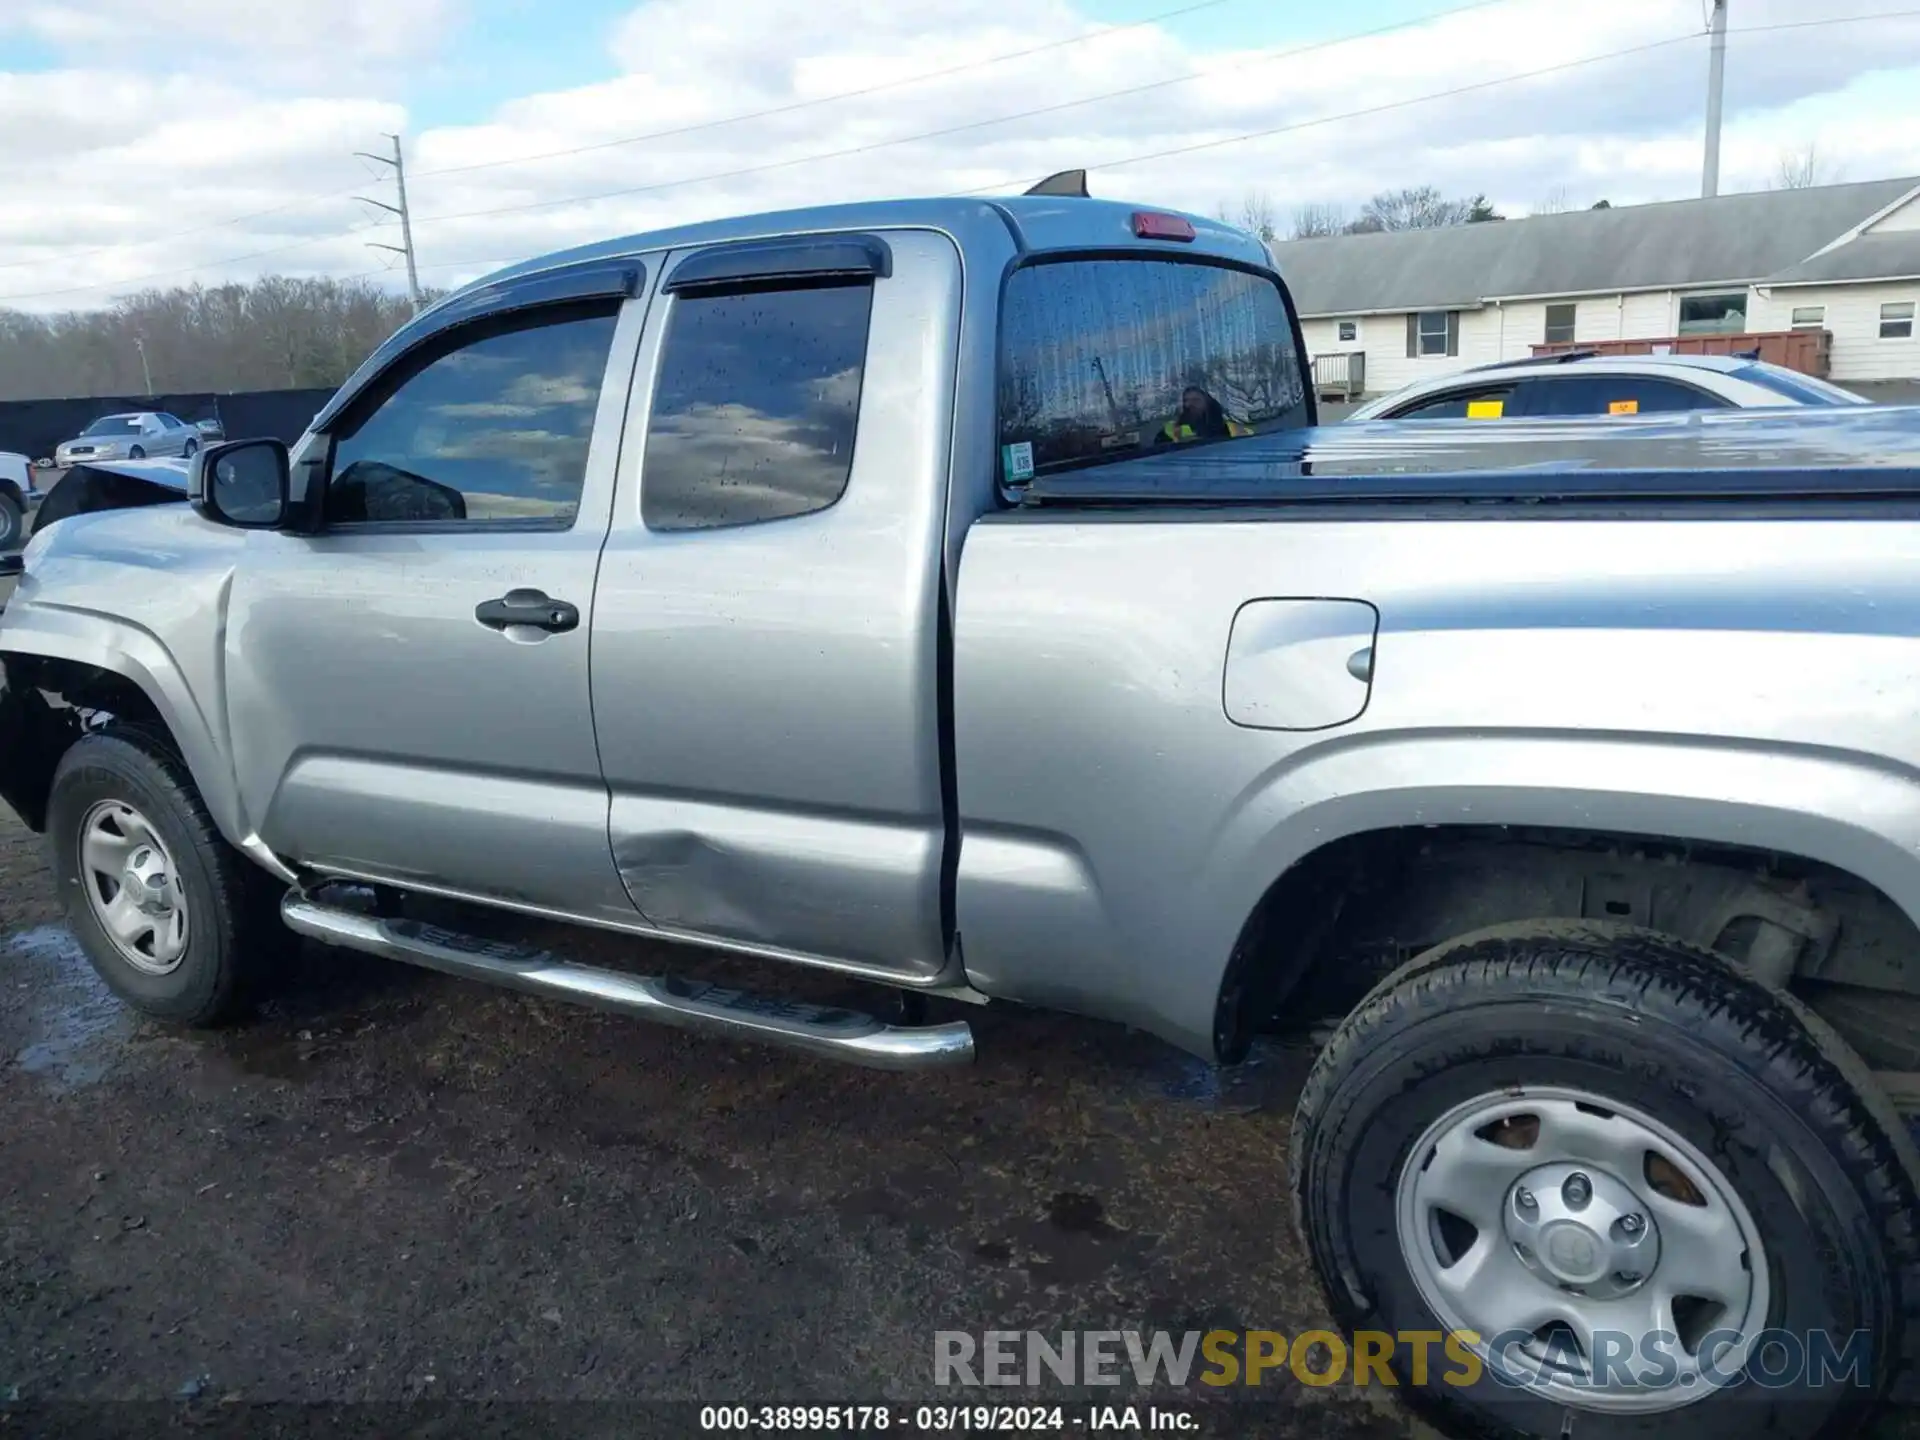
(1843, 259)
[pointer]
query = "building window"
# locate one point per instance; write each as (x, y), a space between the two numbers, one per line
(1433, 332)
(1896, 320)
(1349, 331)
(1713, 314)
(1809, 317)
(1560, 324)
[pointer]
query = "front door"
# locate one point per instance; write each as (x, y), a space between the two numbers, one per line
(409, 686)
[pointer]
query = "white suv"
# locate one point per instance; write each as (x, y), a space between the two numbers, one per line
(1582, 383)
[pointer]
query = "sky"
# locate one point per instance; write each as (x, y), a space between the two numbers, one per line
(149, 143)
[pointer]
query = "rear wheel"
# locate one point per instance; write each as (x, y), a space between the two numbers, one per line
(138, 452)
(171, 916)
(12, 520)
(1662, 1197)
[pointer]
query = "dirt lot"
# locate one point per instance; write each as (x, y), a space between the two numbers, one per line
(390, 1187)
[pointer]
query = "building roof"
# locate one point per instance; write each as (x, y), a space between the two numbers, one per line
(1890, 255)
(1738, 238)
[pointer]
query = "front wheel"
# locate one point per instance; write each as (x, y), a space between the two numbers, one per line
(170, 915)
(1634, 1191)
(190, 449)
(138, 452)
(12, 520)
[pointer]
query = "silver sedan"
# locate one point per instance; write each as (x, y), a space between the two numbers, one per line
(135, 435)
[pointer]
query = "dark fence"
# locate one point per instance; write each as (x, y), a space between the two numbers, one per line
(34, 427)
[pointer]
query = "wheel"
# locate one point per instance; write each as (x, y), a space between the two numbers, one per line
(12, 520)
(170, 915)
(138, 452)
(1664, 1198)
(188, 450)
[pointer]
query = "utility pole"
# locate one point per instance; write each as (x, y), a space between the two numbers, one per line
(405, 247)
(145, 369)
(1716, 75)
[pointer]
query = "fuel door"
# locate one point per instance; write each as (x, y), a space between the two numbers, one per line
(1300, 664)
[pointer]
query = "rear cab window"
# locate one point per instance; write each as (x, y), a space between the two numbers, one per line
(1108, 358)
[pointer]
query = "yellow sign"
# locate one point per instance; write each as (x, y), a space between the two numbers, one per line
(1623, 407)
(1486, 409)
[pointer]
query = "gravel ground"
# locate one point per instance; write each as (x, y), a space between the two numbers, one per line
(389, 1187)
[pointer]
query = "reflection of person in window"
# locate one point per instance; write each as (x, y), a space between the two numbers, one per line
(1201, 417)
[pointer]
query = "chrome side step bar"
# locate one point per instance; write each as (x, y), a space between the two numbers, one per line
(817, 1029)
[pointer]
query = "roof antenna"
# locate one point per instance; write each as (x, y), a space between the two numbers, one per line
(1066, 182)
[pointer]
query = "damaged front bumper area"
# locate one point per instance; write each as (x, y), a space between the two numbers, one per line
(33, 736)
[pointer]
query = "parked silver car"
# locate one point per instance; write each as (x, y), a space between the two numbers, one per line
(1581, 383)
(135, 435)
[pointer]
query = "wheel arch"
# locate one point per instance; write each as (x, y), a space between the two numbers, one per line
(50, 693)
(1296, 864)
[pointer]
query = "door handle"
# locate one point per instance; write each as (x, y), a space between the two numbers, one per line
(527, 607)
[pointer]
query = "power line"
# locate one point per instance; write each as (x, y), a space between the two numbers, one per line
(969, 125)
(281, 209)
(788, 109)
(189, 269)
(1001, 185)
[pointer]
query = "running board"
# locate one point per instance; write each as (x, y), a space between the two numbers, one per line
(691, 1004)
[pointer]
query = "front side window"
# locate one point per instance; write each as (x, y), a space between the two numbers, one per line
(1102, 359)
(1560, 324)
(1614, 395)
(1713, 314)
(1485, 402)
(756, 406)
(490, 428)
(1896, 320)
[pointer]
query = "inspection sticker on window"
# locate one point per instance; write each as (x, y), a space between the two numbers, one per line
(1017, 460)
(1486, 409)
(1623, 407)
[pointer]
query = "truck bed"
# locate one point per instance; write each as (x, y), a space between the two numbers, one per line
(1869, 452)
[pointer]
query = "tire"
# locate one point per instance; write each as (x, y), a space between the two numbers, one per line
(138, 452)
(1664, 1042)
(188, 451)
(225, 902)
(12, 520)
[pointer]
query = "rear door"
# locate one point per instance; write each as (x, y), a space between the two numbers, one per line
(766, 631)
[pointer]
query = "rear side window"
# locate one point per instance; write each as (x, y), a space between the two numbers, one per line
(1614, 395)
(1106, 359)
(756, 407)
(1487, 402)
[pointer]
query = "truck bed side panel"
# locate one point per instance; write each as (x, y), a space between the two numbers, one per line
(1751, 682)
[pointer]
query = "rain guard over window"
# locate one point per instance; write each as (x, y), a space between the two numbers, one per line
(1106, 359)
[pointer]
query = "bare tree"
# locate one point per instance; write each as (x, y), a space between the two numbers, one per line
(1804, 167)
(1555, 202)
(1254, 212)
(1314, 220)
(1417, 207)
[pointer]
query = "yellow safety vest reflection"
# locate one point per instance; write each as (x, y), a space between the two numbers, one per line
(1180, 432)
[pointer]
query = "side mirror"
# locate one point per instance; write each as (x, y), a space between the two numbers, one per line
(244, 483)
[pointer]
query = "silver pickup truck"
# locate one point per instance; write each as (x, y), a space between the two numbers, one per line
(958, 596)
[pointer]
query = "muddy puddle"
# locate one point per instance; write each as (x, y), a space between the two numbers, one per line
(75, 1027)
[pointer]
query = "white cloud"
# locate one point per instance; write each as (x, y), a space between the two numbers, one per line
(114, 154)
